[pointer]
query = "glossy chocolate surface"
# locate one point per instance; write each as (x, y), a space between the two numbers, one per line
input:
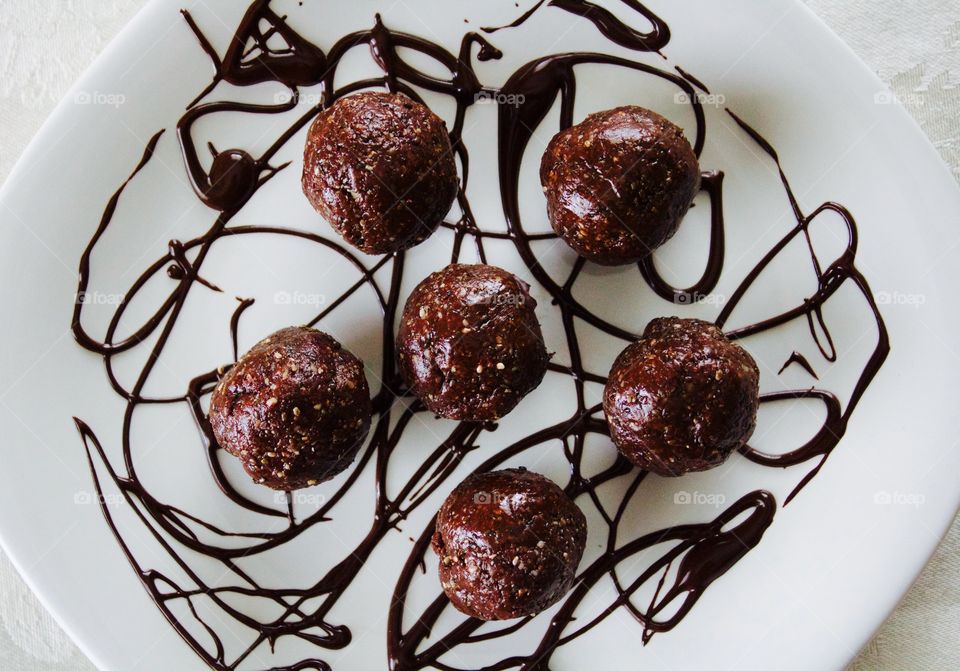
(294, 410)
(509, 543)
(469, 343)
(618, 184)
(682, 398)
(380, 169)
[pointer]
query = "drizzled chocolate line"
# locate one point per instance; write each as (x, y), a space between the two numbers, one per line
(800, 360)
(701, 553)
(704, 552)
(712, 184)
(841, 272)
(609, 25)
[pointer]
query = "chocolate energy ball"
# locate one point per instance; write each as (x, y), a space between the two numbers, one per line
(618, 184)
(295, 409)
(379, 167)
(681, 398)
(509, 544)
(469, 343)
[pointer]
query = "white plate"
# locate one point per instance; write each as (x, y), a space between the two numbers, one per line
(830, 567)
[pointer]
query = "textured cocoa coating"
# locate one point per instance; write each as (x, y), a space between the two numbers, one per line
(469, 343)
(509, 543)
(379, 167)
(618, 184)
(681, 398)
(295, 409)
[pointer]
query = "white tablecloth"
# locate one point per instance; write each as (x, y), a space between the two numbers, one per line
(914, 46)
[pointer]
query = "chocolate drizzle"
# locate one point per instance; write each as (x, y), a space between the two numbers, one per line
(688, 558)
(800, 360)
(704, 552)
(607, 23)
(840, 273)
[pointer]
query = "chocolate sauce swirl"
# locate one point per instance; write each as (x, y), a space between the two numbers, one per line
(607, 23)
(695, 555)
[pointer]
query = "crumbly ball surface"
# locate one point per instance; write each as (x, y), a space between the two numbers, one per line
(295, 409)
(682, 398)
(380, 169)
(619, 183)
(509, 544)
(469, 343)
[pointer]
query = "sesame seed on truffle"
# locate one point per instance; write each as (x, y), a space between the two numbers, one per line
(469, 343)
(509, 544)
(682, 398)
(618, 184)
(380, 169)
(295, 409)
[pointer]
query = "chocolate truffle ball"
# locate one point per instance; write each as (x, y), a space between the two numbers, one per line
(681, 398)
(618, 184)
(509, 544)
(295, 409)
(469, 344)
(379, 167)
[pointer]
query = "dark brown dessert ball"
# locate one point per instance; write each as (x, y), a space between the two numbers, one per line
(469, 343)
(681, 398)
(618, 184)
(380, 169)
(295, 409)
(509, 544)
